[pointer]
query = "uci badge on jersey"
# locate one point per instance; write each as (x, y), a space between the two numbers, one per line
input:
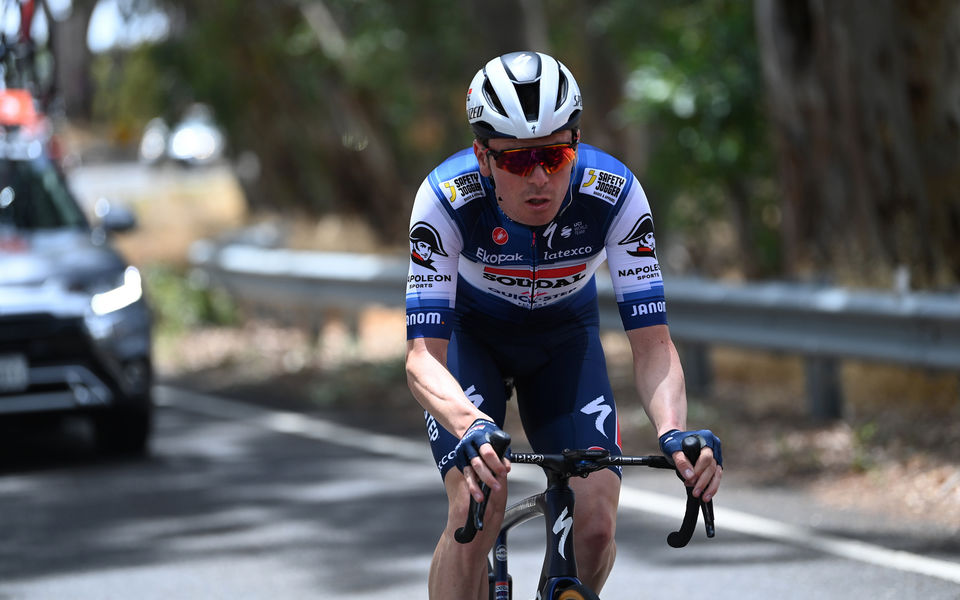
(463, 188)
(602, 184)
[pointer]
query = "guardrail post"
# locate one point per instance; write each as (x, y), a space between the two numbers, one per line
(824, 393)
(697, 369)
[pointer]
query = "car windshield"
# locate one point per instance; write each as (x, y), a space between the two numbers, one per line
(34, 196)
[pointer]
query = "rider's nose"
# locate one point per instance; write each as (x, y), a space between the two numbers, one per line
(539, 176)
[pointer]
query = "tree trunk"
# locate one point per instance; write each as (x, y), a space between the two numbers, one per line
(866, 122)
(72, 59)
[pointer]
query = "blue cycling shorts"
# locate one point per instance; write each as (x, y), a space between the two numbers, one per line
(563, 392)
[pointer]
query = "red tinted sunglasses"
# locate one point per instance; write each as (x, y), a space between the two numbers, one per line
(522, 161)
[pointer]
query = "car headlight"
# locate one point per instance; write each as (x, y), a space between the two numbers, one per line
(129, 290)
(193, 142)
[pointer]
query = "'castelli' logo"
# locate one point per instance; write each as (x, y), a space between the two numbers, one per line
(500, 236)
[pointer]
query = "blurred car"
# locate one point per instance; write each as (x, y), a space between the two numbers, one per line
(75, 329)
(195, 140)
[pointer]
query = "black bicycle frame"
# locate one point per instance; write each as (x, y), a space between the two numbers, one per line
(555, 504)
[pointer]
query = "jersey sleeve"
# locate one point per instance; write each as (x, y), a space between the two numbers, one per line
(435, 246)
(634, 268)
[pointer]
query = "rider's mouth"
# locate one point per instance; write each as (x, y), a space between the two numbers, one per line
(538, 201)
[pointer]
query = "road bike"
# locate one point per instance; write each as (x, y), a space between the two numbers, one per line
(558, 577)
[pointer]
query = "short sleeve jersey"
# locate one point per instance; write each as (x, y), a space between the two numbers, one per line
(467, 256)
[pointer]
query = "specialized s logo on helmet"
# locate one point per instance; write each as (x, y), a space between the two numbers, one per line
(642, 237)
(424, 243)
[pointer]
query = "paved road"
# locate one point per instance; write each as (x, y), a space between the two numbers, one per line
(238, 503)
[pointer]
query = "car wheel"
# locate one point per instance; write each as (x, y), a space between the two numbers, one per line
(125, 431)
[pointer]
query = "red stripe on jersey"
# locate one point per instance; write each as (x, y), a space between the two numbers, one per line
(541, 274)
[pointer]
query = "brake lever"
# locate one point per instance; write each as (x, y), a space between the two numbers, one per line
(692, 445)
(707, 508)
(464, 535)
(475, 513)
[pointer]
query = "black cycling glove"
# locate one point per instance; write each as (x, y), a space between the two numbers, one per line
(477, 435)
(671, 441)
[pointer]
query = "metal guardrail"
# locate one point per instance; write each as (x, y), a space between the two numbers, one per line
(823, 325)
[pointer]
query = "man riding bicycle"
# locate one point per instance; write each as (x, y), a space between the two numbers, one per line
(505, 239)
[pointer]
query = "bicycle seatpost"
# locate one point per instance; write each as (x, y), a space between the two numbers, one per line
(500, 440)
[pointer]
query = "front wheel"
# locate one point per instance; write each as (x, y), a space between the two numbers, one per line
(125, 431)
(577, 592)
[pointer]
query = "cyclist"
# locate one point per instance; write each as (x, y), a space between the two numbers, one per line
(505, 239)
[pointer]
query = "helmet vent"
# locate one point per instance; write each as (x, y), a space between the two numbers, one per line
(561, 90)
(529, 94)
(492, 97)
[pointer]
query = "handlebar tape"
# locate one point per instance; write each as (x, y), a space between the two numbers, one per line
(500, 441)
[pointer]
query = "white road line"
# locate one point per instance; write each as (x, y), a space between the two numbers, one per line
(293, 423)
(630, 498)
(741, 522)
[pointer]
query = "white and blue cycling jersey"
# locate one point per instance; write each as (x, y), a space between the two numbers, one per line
(467, 256)
(519, 303)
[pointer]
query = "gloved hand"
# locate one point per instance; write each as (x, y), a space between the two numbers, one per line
(469, 446)
(671, 441)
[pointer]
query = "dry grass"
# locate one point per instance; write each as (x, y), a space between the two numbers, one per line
(896, 452)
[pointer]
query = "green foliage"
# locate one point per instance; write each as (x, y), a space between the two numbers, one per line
(349, 103)
(864, 438)
(180, 303)
(131, 89)
(695, 83)
(383, 380)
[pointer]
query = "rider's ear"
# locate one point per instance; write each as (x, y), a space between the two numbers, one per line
(482, 158)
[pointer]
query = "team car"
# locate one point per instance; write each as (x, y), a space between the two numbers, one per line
(75, 328)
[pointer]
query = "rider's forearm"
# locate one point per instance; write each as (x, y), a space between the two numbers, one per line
(436, 389)
(658, 376)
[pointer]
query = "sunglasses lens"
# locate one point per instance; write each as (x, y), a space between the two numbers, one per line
(523, 161)
(555, 157)
(519, 163)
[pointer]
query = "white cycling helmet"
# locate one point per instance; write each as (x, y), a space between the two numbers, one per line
(523, 95)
